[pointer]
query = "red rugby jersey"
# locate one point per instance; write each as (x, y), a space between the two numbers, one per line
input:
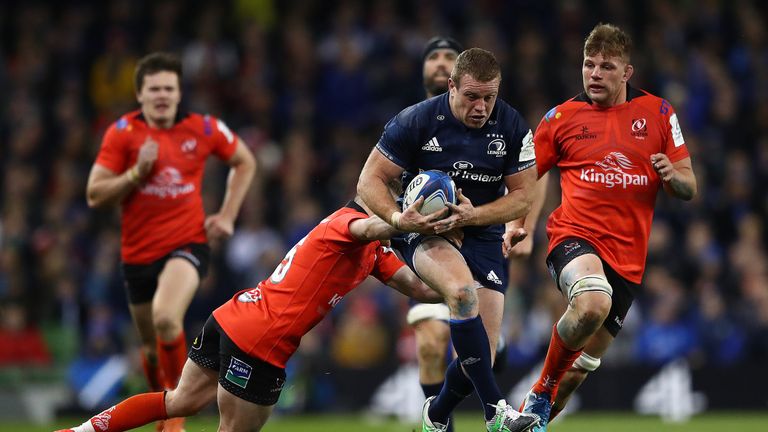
(166, 211)
(608, 184)
(268, 321)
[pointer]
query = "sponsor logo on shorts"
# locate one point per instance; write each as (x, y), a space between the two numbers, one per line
(279, 383)
(238, 372)
(198, 342)
(570, 247)
(493, 277)
(618, 321)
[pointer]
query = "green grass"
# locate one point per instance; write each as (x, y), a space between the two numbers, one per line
(600, 422)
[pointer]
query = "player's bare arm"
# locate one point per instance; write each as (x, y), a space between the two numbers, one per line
(243, 167)
(518, 234)
(678, 178)
(106, 187)
(373, 188)
(372, 228)
(515, 204)
(406, 281)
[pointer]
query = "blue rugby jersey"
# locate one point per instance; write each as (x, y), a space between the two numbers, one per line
(427, 136)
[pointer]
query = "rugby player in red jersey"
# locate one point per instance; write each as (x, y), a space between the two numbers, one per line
(615, 146)
(151, 163)
(239, 356)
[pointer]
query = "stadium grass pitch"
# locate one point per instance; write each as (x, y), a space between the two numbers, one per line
(593, 422)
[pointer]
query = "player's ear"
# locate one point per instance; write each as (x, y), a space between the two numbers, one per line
(628, 71)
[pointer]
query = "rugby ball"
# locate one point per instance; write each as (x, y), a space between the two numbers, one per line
(435, 186)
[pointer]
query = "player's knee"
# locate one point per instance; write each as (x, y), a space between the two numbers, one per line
(463, 302)
(166, 326)
(431, 352)
(591, 297)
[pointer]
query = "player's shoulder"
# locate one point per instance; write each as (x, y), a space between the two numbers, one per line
(561, 112)
(207, 124)
(335, 227)
(505, 113)
(422, 113)
(126, 123)
(646, 100)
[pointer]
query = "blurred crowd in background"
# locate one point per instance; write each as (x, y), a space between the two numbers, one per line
(309, 85)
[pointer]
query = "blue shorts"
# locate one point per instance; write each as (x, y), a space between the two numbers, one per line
(482, 253)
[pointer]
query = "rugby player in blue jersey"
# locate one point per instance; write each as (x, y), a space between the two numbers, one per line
(486, 146)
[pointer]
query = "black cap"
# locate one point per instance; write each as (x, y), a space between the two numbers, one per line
(441, 42)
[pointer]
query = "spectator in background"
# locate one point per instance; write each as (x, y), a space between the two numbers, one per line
(23, 344)
(151, 164)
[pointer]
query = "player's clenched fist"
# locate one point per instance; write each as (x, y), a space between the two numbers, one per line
(147, 157)
(663, 166)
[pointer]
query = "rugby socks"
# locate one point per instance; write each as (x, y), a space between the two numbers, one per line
(559, 359)
(172, 356)
(456, 388)
(131, 413)
(432, 389)
(471, 344)
(153, 373)
(552, 414)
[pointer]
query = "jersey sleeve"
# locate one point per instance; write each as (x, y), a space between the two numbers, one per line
(338, 232)
(113, 153)
(396, 143)
(674, 144)
(521, 154)
(387, 264)
(547, 154)
(223, 140)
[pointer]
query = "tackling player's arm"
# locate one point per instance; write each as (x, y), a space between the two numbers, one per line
(243, 167)
(678, 179)
(105, 187)
(373, 188)
(371, 228)
(406, 281)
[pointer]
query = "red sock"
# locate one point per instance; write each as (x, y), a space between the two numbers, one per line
(131, 413)
(559, 359)
(555, 411)
(153, 374)
(172, 356)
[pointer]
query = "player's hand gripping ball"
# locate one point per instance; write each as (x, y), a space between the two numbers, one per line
(435, 186)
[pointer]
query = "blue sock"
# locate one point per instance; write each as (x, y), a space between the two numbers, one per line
(457, 387)
(471, 343)
(432, 389)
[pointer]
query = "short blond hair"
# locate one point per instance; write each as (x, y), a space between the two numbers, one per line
(477, 63)
(608, 40)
